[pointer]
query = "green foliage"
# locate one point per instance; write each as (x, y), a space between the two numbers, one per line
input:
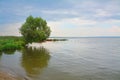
(35, 30)
(11, 43)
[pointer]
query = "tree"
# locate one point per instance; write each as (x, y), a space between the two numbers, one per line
(35, 30)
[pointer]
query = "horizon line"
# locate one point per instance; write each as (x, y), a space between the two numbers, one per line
(63, 36)
(84, 36)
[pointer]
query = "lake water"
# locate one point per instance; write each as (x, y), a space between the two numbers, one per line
(75, 59)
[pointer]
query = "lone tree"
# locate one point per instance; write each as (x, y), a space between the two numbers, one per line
(35, 30)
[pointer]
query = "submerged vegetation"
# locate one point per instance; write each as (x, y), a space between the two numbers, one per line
(11, 43)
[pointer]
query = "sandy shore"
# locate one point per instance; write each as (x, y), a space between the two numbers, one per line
(6, 76)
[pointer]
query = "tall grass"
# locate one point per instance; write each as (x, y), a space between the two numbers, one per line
(11, 43)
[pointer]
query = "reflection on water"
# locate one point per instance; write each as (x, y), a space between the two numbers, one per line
(34, 60)
(0, 54)
(9, 52)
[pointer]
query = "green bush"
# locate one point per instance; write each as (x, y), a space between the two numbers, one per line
(11, 43)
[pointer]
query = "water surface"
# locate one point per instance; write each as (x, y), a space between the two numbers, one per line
(75, 59)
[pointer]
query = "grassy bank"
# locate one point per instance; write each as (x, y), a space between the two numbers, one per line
(14, 43)
(11, 43)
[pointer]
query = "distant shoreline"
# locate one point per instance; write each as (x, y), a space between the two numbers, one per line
(90, 37)
(56, 39)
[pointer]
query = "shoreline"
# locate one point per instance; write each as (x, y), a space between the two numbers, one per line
(8, 76)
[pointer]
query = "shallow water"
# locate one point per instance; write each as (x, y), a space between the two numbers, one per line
(75, 59)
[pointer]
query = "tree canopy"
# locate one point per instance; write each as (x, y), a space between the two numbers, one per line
(35, 29)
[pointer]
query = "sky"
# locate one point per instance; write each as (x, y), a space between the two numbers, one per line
(66, 18)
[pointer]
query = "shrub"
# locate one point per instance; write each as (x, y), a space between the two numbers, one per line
(11, 43)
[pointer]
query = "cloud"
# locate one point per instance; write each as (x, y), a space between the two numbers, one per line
(102, 13)
(59, 12)
(97, 9)
(69, 27)
(84, 28)
(113, 21)
(115, 29)
(10, 29)
(73, 21)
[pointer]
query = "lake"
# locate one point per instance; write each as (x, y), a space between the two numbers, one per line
(75, 59)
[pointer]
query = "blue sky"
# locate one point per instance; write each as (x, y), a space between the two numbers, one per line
(65, 17)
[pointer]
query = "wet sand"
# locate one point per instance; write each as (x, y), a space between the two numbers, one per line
(7, 76)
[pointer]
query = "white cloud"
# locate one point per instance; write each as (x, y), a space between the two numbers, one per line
(26, 10)
(115, 29)
(60, 11)
(59, 27)
(79, 29)
(75, 21)
(102, 13)
(79, 22)
(111, 21)
(10, 29)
